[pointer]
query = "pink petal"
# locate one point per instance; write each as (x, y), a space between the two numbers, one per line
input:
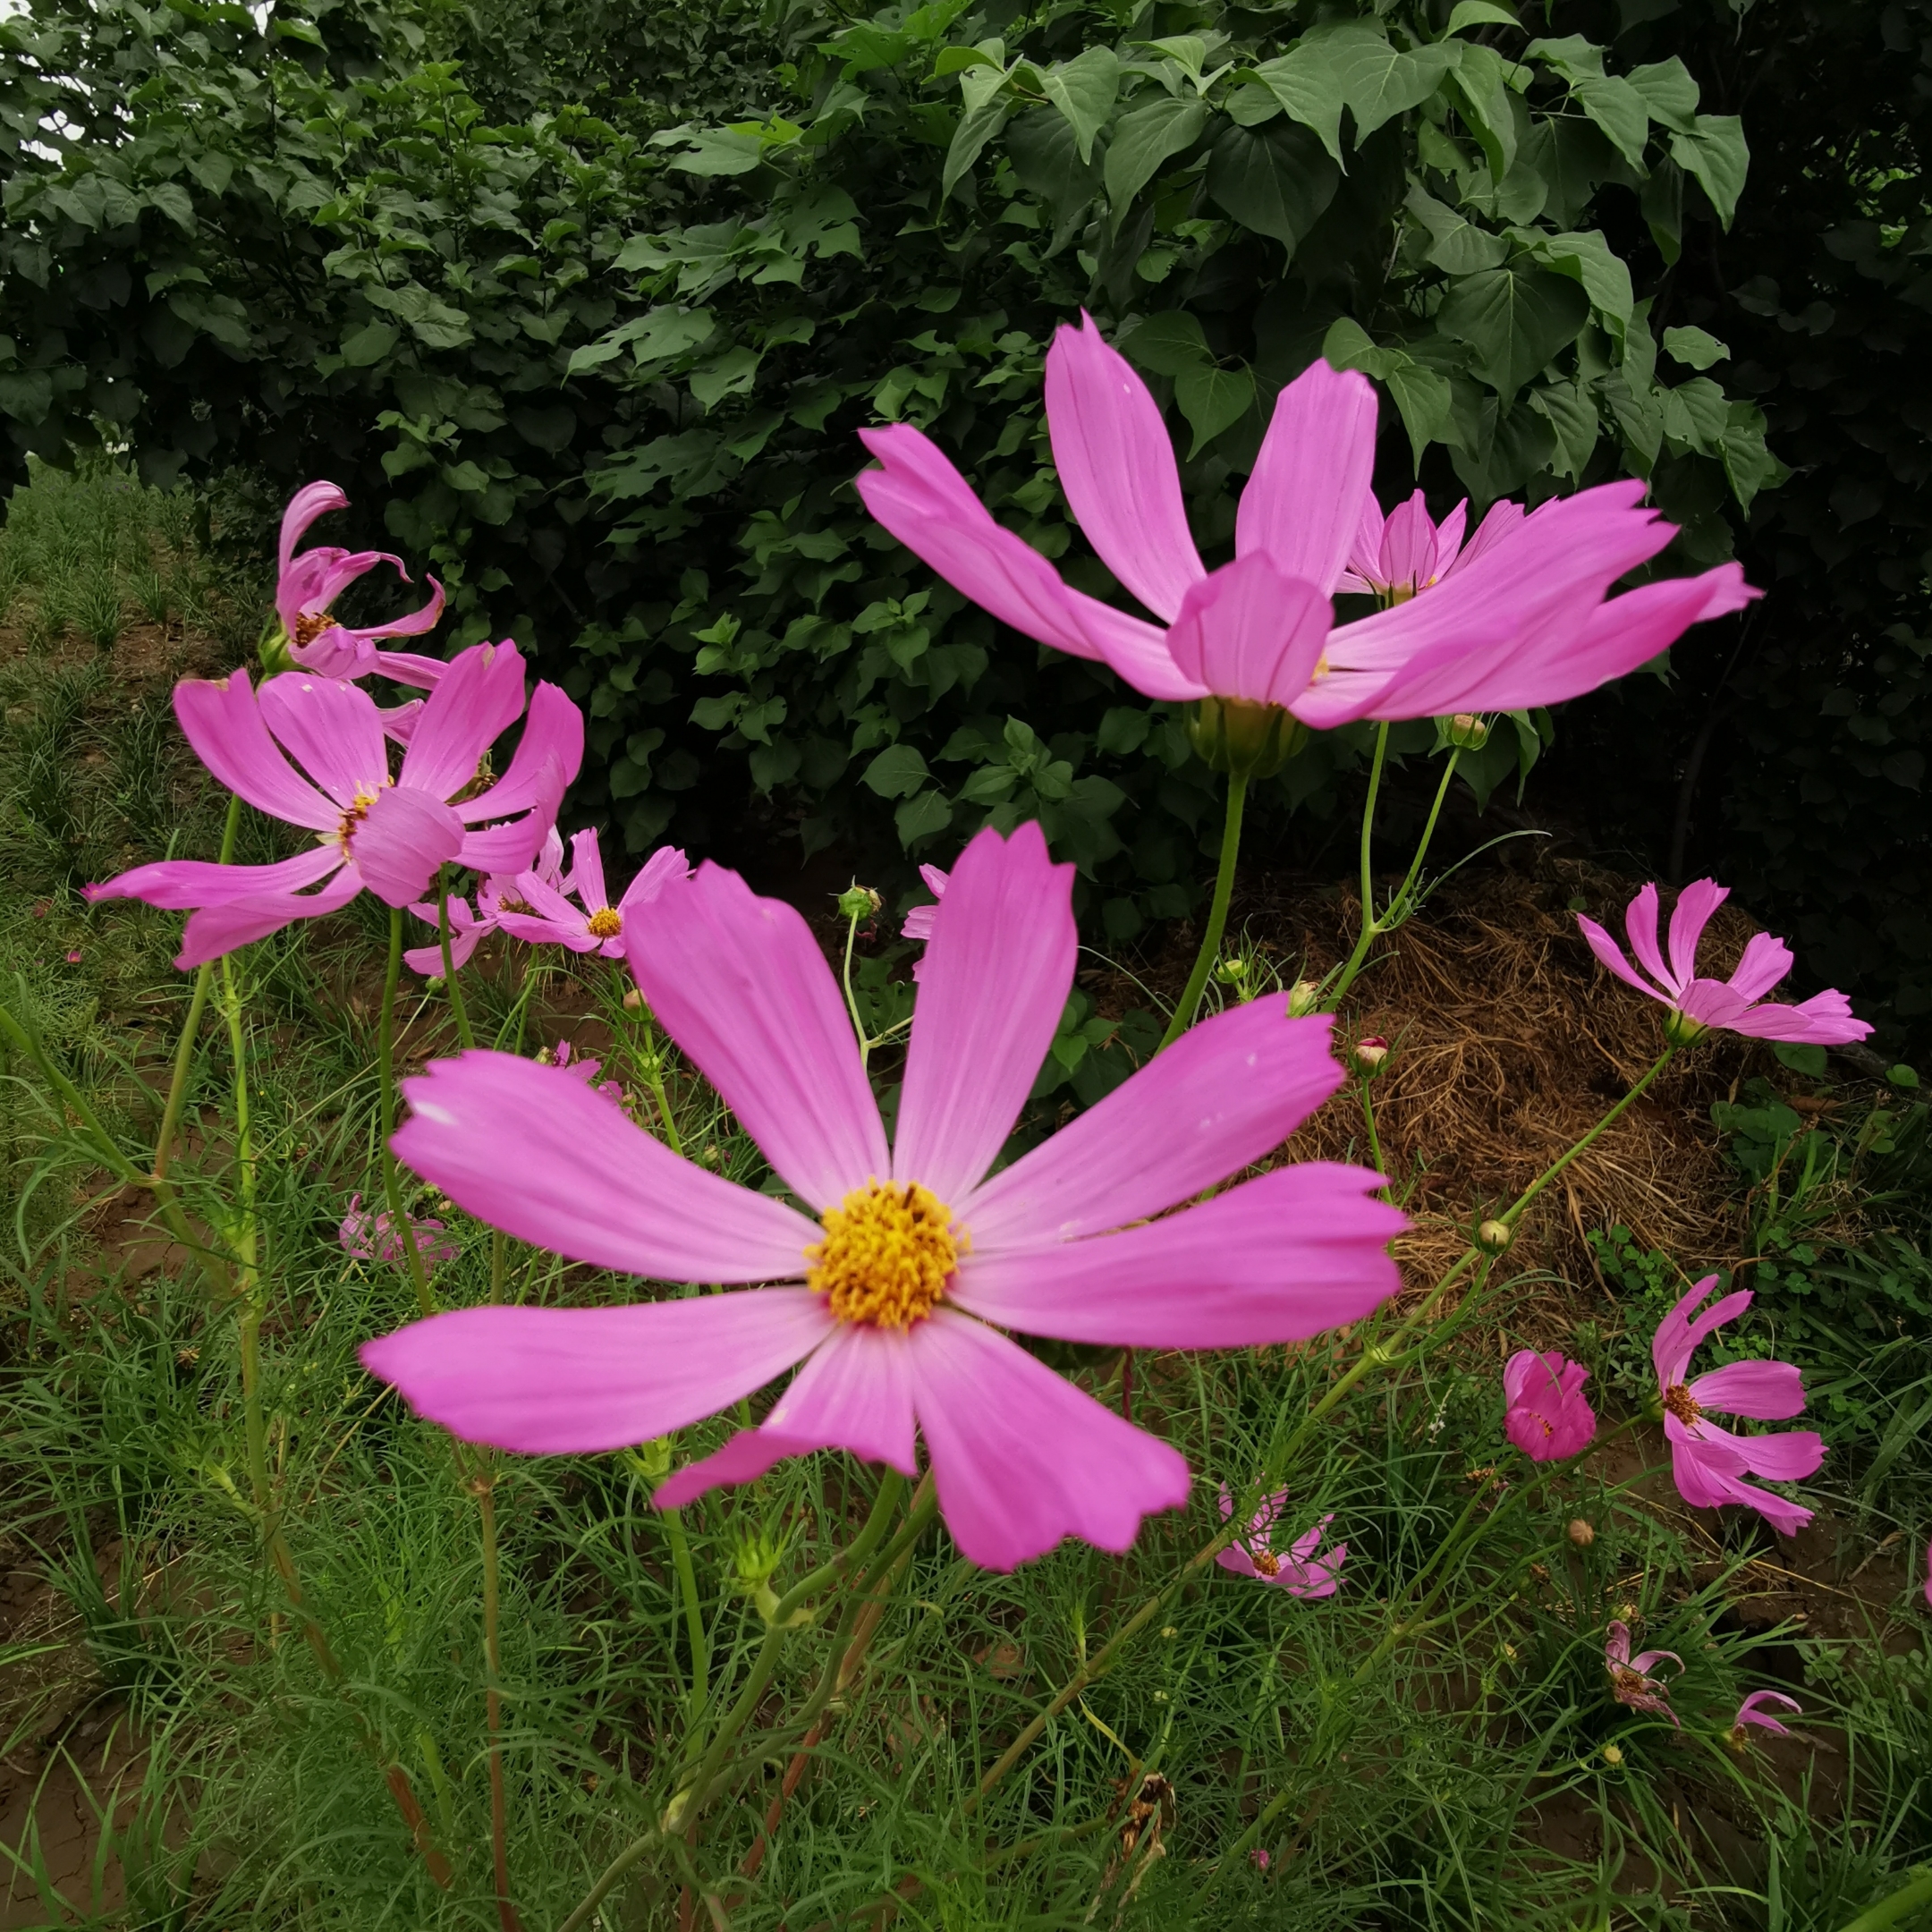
(1678, 1335)
(1228, 1092)
(1449, 540)
(178, 884)
(1766, 1390)
(402, 840)
(1022, 1458)
(587, 868)
(310, 502)
(1363, 575)
(218, 929)
(1298, 1251)
(1235, 1558)
(1640, 923)
(412, 623)
(1689, 918)
(1706, 1479)
(1250, 631)
(580, 1381)
(854, 1393)
(409, 667)
(547, 759)
(332, 730)
(1616, 1648)
(223, 723)
(465, 936)
(1303, 502)
(918, 924)
(1117, 468)
(1409, 543)
(512, 846)
(1752, 1711)
(1611, 955)
(1825, 1019)
(1785, 1455)
(664, 866)
(1766, 960)
(1502, 520)
(994, 984)
(477, 698)
(532, 1151)
(739, 984)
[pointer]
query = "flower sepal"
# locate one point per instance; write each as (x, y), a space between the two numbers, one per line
(272, 648)
(1245, 739)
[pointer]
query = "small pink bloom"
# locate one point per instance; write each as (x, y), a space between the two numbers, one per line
(1631, 1681)
(1261, 1857)
(1548, 1418)
(469, 929)
(890, 1286)
(42, 907)
(586, 1070)
(1525, 619)
(371, 1237)
(919, 922)
(1300, 1572)
(593, 925)
(1734, 1005)
(307, 585)
(1408, 552)
(1706, 1462)
(389, 834)
(73, 958)
(1751, 1711)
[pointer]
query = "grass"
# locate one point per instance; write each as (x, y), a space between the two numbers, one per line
(1475, 1775)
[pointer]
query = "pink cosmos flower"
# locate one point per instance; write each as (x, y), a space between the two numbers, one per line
(1525, 622)
(594, 925)
(918, 923)
(469, 929)
(1734, 1004)
(587, 1071)
(1301, 1572)
(372, 1237)
(1409, 551)
(1751, 1711)
(906, 1261)
(307, 585)
(1548, 1418)
(387, 833)
(1706, 1461)
(1631, 1681)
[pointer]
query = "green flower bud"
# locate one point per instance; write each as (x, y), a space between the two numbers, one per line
(858, 901)
(1467, 732)
(1492, 1237)
(1303, 997)
(273, 650)
(1250, 741)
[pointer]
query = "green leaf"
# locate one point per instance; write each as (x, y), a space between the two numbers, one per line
(978, 126)
(1424, 400)
(1169, 344)
(1587, 258)
(1304, 81)
(1455, 246)
(1514, 322)
(172, 199)
(1377, 81)
(719, 151)
(1669, 93)
(1571, 411)
(1715, 153)
(549, 430)
(1144, 140)
(1801, 1056)
(921, 818)
(1479, 13)
(1275, 179)
(1619, 110)
(368, 344)
(1693, 348)
(729, 373)
(1487, 105)
(897, 772)
(1045, 152)
(1084, 89)
(1213, 400)
(1662, 204)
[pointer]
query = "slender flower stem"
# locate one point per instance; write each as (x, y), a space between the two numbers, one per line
(401, 1230)
(242, 1239)
(653, 1074)
(451, 981)
(1515, 1212)
(1367, 827)
(852, 1005)
(680, 1561)
(1368, 1109)
(1217, 912)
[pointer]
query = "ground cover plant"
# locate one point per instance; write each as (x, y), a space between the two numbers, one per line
(1237, 1573)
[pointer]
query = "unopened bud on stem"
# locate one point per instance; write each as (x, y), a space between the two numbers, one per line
(858, 901)
(1303, 997)
(1367, 1055)
(1494, 1236)
(1467, 732)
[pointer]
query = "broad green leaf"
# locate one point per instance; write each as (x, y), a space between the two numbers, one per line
(921, 818)
(1046, 162)
(1084, 90)
(1619, 110)
(1570, 411)
(1145, 141)
(1695, 415)
(1212, 400)
(1693, 348)
(897, 772)
(1187, 51)
(865, 46)
(1487, 105)
(549, 429)
(1587, 258)
(1304, 80)
(1639, 416)
(1377, 81)
(1348, 345)
(369, 343)
(1479, 13)
(1662, 204)
(978, 126)
(1573, 57)
(1669, 93)
(1513, 321)
(1424, 400)
(729, 373)
(26, 395)
(953, 59)
(1169, 344)
(719, 151)
(1714, 152)
(172, 199)
(1456, 245)
(1275, 179)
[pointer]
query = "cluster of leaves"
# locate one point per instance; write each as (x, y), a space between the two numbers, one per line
(603, 374)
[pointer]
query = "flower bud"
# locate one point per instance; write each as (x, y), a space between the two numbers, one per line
(1467, 732)
(1581, 1533)
(1251, 741)
(649, 1461)
(1303, 997)
(633, 1001)
(1611, 1756)
(1494, 1236)
(1367, 1055)
(858, 901)
(1232, 971)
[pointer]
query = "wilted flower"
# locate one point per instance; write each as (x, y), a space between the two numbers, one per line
(1298, 1572)
(895, 1297)
(1734, 1005)
(1751, 1711)
(1706, 1461)
(1549, 1416)
(1631, 1681)
(372, 1237)
(544, 914)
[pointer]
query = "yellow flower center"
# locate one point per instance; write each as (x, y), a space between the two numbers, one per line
(888, 1252)
(1267, 1563)
(605, 923)
(311, 625)
(358, 811)
(1681, 1403)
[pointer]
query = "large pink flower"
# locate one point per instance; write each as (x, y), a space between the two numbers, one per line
(908, 1260)
(1735, 1004)
(1297, 1569)
(307, 587)
(1706, 1461)
(545, 914)
(387, 833)
(1549, 1418)
(1524, 623)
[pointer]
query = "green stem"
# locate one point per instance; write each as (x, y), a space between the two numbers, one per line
(1514, 1213)
(852, 1005)
(400, 1228)
(1367, 827)
(1908, 1898)
(1375, 1144)
(484, 1484)
(452, 984)
(653, 1074)
(1217, 912)
(612, 1873)
(680, 1561)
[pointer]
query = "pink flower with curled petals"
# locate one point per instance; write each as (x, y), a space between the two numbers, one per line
(1706, 1461)
(1733, 1005)
(372, 1237)
(1395, 558)
(1549, 1416)
(546, 915)
(901, 1266)
(307, 585)
(1524, 621)
(469, 929)
(1751, 1711)
(387, 833)
(1300, 1572)
(1631, 1681)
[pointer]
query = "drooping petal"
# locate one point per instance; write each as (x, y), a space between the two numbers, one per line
(477, 700)
(179, 884)
(402, 839)
(1785, 1455)
(538, 1155)
(665, 867)
(1303, 502)
(1825, 1019)
(332, 730)
(511, 847)
(466, 933)
(1021, 1457)
(1766, 1390)
(411, 668)
(1765, 962)
(1298, 1251)
(311, 502)
(547, 759)
(223, 723)
(992, 988)
(1228, 1092)
(1754, 1710)
(1250, 631)
(739, 984)
(217, 929)
(1688, 917)
(587, 868)
(1640, 923)
(1117, 467)
(580, 1381)
(1611, 955)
